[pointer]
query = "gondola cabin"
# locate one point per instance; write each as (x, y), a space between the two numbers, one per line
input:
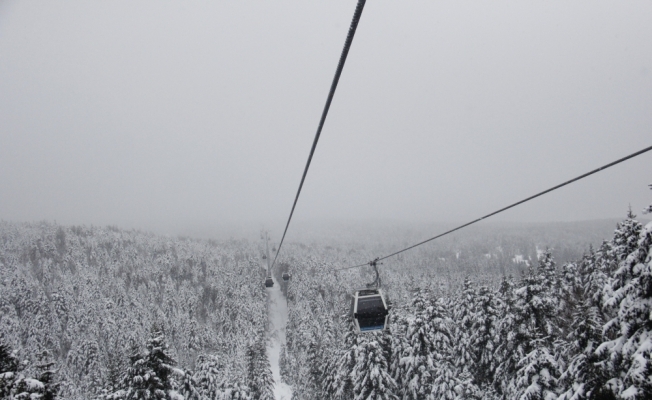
(369, 310)
(269, 282)
(264, 257)
(286, 276)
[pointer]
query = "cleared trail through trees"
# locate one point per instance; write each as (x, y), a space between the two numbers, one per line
(278, 316)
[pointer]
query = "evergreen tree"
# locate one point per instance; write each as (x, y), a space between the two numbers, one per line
(46, 375)
(134, 384)
(340, 378)
(8, 369)
(371, 370)
(15, 384)
(630, 295)
(583, 378)
(536, 331)
(315, 370)
(208, 376)
(466, 389)
(8, 359)
(464, 313)
(444, 380)
(417, 360)
(160, 363)
(484, 337)
(507, 337)
(259, 373)
(188, 387)
(150, 375)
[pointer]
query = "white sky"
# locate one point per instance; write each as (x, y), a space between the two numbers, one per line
(164, 115)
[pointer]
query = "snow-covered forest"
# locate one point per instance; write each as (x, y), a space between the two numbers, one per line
(104, 307)
(107, 313)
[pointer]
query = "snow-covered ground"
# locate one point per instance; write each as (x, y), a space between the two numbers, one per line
(278, 316)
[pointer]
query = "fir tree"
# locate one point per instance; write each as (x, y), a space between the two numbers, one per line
(536, 329)
(8, 369)
(340, 378)
(150, 375)
(15, 384)
(583, 378)
(417, 363)
(259, 373)
(464, 312)
(371, 370)
(630, 295)
(160, 363)
(444, 382)
(484, 337)
(507, 337)
(315, 370)
(46, 375)
(208, 376)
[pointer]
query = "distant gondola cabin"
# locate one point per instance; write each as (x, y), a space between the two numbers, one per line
(269, 282)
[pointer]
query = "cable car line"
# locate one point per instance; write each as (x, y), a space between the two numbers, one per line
(373, 263)
(340, 66)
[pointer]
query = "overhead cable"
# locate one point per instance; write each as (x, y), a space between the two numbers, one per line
(645, 150)
(331, 93)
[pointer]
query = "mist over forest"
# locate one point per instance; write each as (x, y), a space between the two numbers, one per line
(472, 220)
(110, 313)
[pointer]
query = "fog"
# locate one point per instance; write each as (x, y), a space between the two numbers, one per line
(181, 117)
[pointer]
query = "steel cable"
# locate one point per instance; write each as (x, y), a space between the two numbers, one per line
(340, 66)
(645, 150)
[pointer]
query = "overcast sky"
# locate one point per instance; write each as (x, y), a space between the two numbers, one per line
(163, 115)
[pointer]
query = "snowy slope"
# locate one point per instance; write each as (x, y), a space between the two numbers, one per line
(278, 315)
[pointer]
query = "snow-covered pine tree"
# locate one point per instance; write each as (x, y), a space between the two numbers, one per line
(339, 374)
(115, 370)
(507, 336)
(371, 369)
(161, 364)
(466, 389)
(400, 347)
(208, 376)
(600, 277)
(259, 373)
(416, 363)
(46, 371)
(536, 331)
(583, 378)
(134, 384)
(187, 387)
(582, 287)
(443, 371)
(464, 310)
(484, 337)
(150, 375)
(21, 386)
(630, 295)
(9, 364)
(315, 369)
(625, 240)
